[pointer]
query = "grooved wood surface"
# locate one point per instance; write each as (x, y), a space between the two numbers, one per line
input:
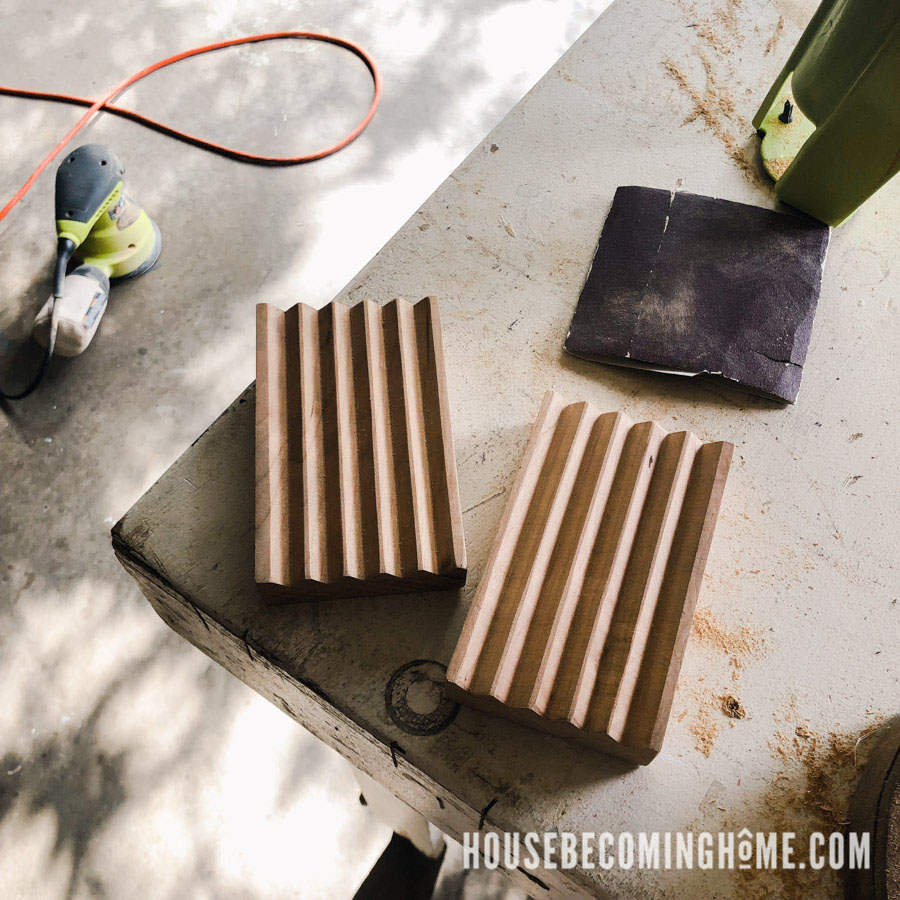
(356, 488)
(580, 621)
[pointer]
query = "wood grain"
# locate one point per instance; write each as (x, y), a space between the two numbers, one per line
(356, 486)
(581, 618)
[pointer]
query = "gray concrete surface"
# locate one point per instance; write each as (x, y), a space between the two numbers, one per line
(130, 765)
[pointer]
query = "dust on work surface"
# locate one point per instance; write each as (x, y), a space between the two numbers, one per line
(829, 762)
(815, 773)
(710, 708)
(718, 34)
(807, 789)
(741, 643)
(705, 726)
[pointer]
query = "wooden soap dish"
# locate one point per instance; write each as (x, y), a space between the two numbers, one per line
(356, 488)
(580, 622)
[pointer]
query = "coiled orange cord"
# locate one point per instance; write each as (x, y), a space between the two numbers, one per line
(105, 104)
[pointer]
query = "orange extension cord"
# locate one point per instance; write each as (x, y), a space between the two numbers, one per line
(105, 103)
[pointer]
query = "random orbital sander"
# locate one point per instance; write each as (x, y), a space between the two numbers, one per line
(110, 237)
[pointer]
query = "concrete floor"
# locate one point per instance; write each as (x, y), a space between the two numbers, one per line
(130, 765)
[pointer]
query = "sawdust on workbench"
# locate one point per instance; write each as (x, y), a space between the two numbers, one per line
(810, 793)
(718, 34)
(740, 644)
(723, 30)
(712, 107)
(830, 763)
(710, 708)
(704, 729)
(708, 719)
(776, 36)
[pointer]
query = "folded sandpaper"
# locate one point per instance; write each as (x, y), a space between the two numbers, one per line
(696, 285)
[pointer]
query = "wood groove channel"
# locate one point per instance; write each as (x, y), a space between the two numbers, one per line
(581, 619)
(356, 486)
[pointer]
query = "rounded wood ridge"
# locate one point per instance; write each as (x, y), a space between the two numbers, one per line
(356, 486)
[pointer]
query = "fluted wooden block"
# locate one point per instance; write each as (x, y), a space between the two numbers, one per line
(581, 618)
(356, 488)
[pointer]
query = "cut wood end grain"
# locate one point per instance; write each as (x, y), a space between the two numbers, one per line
(356, 486)
(581, 618)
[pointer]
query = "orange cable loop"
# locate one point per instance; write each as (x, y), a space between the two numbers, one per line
(104, 103)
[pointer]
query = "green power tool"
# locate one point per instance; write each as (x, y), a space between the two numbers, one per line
(831, 122)
(110, 236)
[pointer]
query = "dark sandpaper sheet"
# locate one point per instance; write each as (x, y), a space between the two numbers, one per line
(697, 285)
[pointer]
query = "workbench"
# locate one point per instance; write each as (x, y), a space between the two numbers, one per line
(797, 619)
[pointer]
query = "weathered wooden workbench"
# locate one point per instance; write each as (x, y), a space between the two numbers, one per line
(798, 617)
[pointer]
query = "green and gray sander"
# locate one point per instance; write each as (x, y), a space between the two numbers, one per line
(110, 237)
(106, 231)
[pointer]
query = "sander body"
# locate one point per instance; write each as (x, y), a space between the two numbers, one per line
(107, 232)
